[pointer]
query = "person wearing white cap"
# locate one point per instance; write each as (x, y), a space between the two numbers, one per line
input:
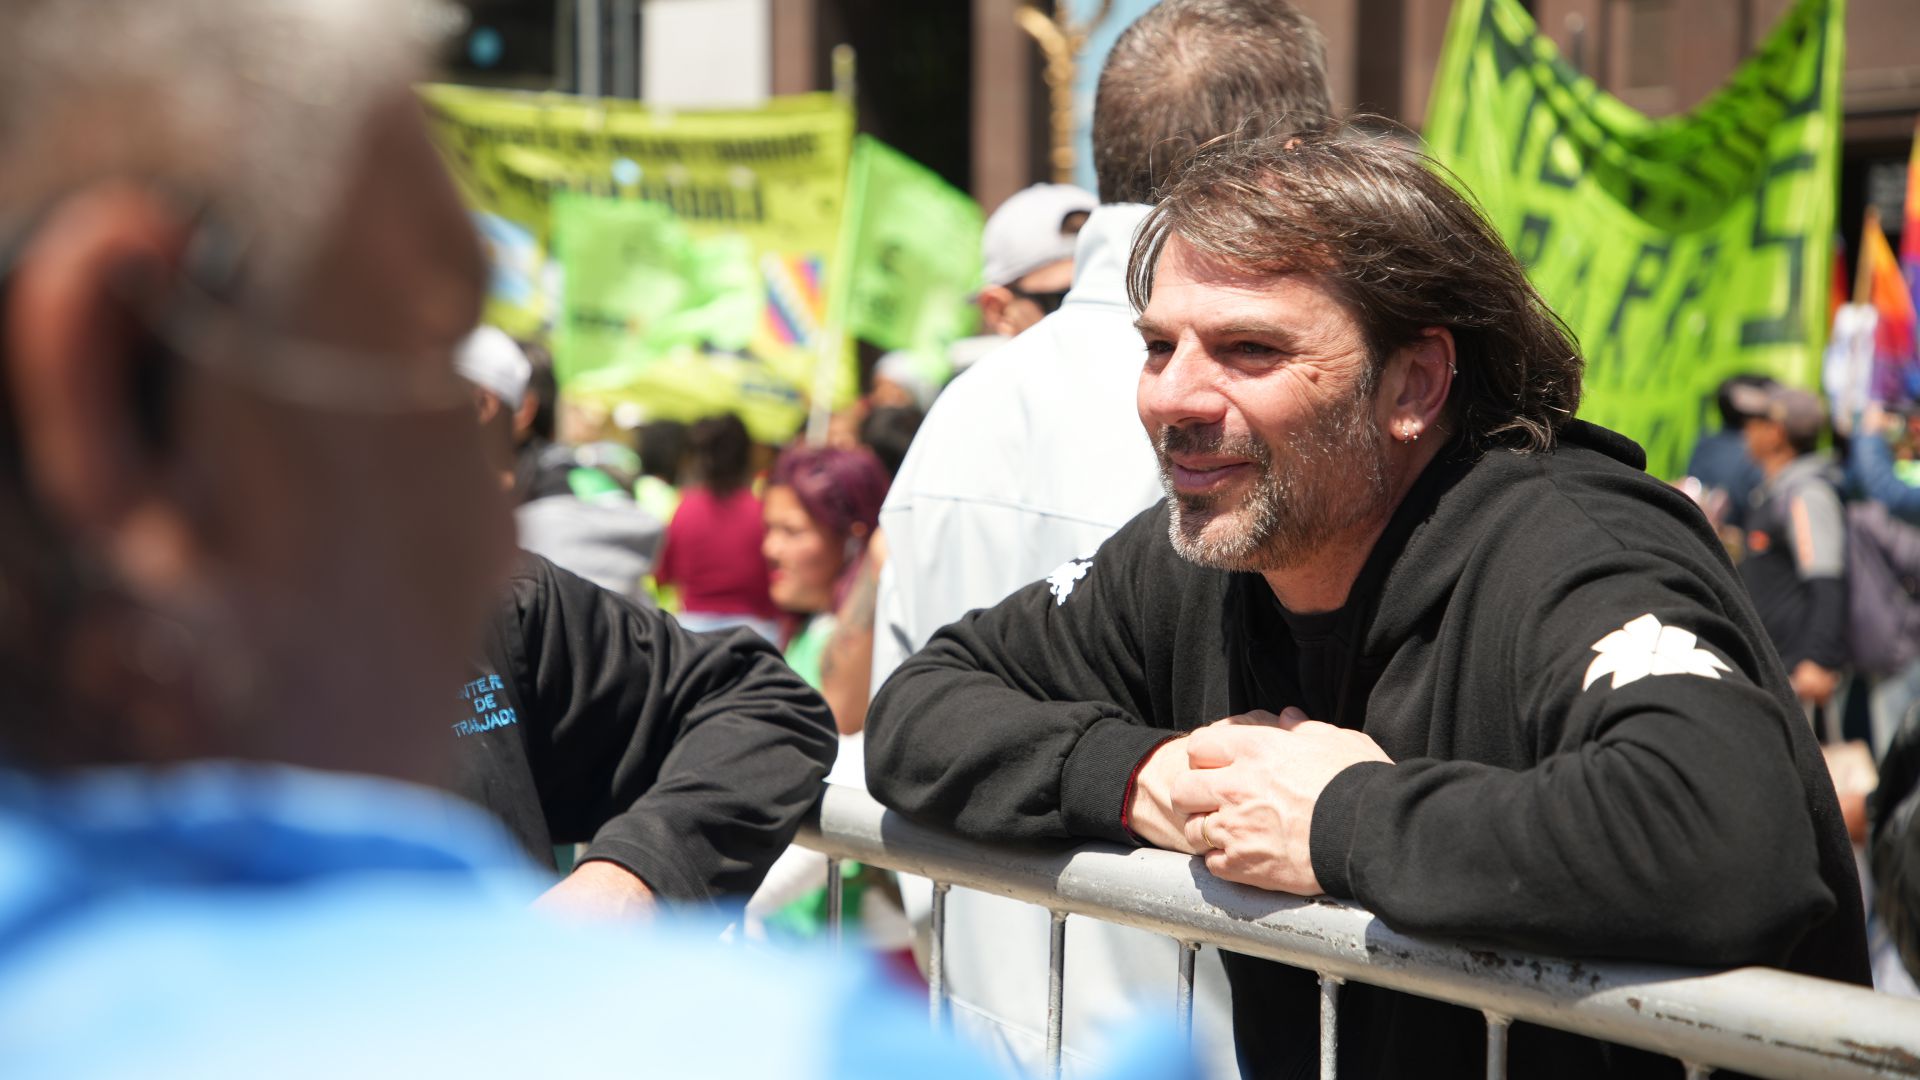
(499, 371)
(1026, 254)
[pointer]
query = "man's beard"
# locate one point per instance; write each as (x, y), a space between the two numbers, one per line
(1328, 476)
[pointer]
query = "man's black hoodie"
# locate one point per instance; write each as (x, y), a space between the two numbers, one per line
(1596, 750)
(687, 758)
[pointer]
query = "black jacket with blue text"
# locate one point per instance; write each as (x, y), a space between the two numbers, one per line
(687, 758)
(1596, 750)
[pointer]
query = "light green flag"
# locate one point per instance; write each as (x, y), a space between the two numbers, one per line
(1681, 250)
(651, 313)
(914, 252)
(720, 303)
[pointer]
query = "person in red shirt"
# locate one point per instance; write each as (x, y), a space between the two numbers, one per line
(712, 549)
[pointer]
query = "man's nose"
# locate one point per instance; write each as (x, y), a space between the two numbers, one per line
(1181, 392)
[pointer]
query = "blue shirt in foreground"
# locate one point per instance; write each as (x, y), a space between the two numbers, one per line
(233, 920)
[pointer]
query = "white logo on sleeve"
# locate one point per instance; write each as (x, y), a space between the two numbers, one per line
(1643, 647)
(1061, 582)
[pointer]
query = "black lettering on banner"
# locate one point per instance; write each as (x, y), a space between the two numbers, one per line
(1649, 266)
(1509, 55)
(1523, 136)
(1574, 312)
(1551, 175)
(1508, 58)
(1637, 195)
(1703, 267)
(1809, 102)
(1532, 241)
(1787, 327)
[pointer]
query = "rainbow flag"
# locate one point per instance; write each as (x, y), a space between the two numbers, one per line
(1896, 368)
(796, 298)
(1910, 228)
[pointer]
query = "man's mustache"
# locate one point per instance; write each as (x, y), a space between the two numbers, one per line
(1209, 439)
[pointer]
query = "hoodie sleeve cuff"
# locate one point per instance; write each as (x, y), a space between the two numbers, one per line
(1097, 774)
(1330, 836)
(665, 879)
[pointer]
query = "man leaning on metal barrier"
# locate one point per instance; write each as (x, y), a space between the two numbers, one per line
(1404, 632)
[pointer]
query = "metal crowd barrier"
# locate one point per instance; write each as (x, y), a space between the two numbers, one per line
(1753, 1020)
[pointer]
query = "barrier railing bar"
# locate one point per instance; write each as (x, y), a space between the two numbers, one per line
(1497, 1026)
(1183, 991)
(937, 958)
(1757, 1021)
(1329, 1025)
(1056, 991)
(1698, 1072)
(834, 894)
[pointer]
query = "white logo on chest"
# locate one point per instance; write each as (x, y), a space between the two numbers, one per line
(1644, 647)
(1061, 582)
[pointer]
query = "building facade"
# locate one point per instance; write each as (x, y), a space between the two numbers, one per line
(958, 84)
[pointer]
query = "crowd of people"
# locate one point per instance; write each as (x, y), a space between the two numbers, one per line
(347, 699)
(1825, 531)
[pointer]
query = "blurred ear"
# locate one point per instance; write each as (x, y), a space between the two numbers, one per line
(993, 301)
(78, 355)
(487, 407)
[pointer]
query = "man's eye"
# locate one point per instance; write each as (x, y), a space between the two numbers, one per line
(1253, 349)
(1158, 348)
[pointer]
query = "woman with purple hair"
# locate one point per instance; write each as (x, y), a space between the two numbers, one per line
(823, 560)
(822, 505)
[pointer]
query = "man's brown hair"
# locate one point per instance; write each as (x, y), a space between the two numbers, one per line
(1403, 250)
(1191, 70)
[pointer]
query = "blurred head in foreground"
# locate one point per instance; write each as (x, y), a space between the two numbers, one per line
(243, 510)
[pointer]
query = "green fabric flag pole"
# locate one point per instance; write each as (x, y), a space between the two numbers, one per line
(908, 261)
(833, 332)
(916, 253)
(1681, 250)
(654, 314)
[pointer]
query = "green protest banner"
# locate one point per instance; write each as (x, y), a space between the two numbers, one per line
(914, 249)
(1680, 250)
(733, 281)
(651, 313)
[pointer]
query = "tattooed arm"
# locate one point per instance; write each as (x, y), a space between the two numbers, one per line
(846, 668)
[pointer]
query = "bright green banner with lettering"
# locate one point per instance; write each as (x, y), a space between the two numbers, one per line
(677, 259)
(915, 251)
(1680, 250)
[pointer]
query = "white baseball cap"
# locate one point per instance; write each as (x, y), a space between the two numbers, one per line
(1025, 233)
(494, 362)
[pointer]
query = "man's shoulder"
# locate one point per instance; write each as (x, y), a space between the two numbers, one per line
(1056, 350)
(1577, 500)
(1018, 425)
(1140, 552)
(1810, 474)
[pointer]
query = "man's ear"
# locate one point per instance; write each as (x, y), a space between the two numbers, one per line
(1416, 384)
(81, 361)
(487, 407)
(993, 301)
